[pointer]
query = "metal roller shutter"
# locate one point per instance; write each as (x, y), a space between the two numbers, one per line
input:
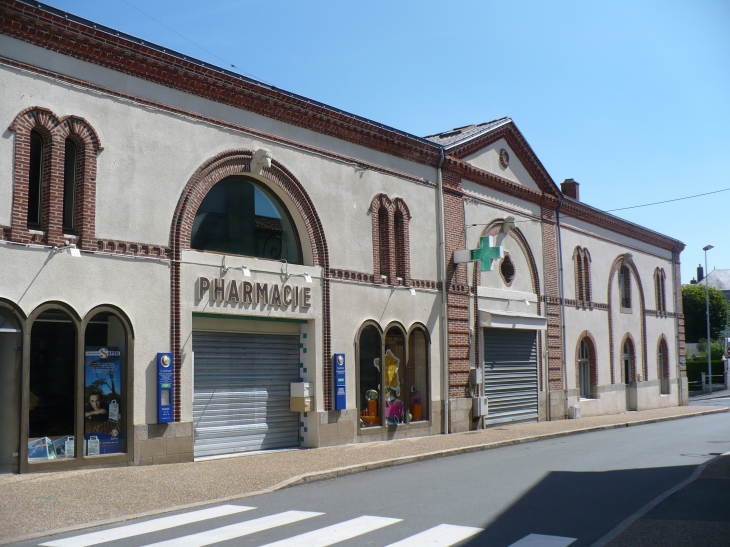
(510, 375)
(241, 392)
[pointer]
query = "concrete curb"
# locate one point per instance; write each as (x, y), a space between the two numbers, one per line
(317, 476)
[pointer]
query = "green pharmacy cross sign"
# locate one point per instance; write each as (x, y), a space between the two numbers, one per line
(487, 252)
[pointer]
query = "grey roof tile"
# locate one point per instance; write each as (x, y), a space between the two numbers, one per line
(458, 134)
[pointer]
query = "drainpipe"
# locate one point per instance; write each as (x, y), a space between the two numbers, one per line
(676, 322)
(562, 299)
(444, 326)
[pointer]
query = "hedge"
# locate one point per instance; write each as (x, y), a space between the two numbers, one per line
(695, 368)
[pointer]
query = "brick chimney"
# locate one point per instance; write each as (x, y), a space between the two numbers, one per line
(569, 187)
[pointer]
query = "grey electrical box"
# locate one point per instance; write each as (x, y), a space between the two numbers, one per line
(479, 406)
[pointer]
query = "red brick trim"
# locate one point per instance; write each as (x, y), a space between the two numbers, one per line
(617, 263)
(519, 146)
(458, 293)
(381, 215)
(580, 211)
(592, 359)
(42, 28)
(54, 131)
(484, 178)
(660, 292)
(402, 237)
(214, 170)
(553, 302)
(582, 272)
(391, 240)
(130, 248)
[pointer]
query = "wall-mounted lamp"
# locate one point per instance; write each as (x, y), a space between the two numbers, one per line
(413, 291)
(246, 271)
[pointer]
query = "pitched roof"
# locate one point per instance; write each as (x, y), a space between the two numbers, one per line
(458, 135)
(719, 279)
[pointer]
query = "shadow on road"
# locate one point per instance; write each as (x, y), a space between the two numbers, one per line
(580, 505)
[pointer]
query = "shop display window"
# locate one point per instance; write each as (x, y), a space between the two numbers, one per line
(394, 376)
(52, 383)
(417, 375)
(370, 375)
(241, 217)
(394, 390)
(104, 401)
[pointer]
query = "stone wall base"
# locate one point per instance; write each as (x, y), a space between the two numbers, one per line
(163, 443)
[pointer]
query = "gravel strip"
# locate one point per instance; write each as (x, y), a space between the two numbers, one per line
(35, 503)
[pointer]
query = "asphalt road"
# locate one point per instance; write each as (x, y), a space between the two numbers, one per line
(578, 487)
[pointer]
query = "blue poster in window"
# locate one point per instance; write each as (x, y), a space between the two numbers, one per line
(103, 403)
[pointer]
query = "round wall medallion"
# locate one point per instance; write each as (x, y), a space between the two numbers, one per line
(503, 158)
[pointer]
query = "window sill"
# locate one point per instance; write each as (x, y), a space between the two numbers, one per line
(36, 232)
(626, 310)
(381, 428)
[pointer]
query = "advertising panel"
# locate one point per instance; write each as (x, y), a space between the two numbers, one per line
(103, 432)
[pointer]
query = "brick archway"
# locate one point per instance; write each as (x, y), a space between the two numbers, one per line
(493, 228)
(225, 164)
(617, 263)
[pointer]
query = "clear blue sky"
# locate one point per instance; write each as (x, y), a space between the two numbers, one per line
(631, 99)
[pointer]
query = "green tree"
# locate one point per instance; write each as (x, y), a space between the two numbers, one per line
(693, 302)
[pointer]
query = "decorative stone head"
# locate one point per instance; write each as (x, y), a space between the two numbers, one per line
(260, 160)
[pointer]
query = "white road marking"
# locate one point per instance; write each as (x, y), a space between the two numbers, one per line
(237, 530)
(154, 525)
(538, 540)
(336, 533)
(442, 535)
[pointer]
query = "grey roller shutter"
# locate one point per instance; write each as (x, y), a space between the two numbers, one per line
(241, 392)
(510, 375)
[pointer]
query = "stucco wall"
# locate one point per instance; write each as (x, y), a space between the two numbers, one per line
(353, 304)
(141, 288)
(149, 155)
(605, 247)
(488, 159)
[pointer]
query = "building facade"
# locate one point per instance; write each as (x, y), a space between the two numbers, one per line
(152, 205)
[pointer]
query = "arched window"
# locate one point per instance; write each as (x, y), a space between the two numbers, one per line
(384, 239)
(624, 285)
(241, 216)
(584, 370)
(582, 259)
(628, 361)
(417, 375)
(400, 245)
(105, 409)
(394, 376)
(659, 290)
(35, 180)
(70, 169)
(663, 366)
(51, 409)
(370, 357)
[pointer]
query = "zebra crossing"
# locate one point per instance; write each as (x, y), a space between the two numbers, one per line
(442, 535)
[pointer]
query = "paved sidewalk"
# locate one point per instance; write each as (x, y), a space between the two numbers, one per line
(35, 504)
(714, 395)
